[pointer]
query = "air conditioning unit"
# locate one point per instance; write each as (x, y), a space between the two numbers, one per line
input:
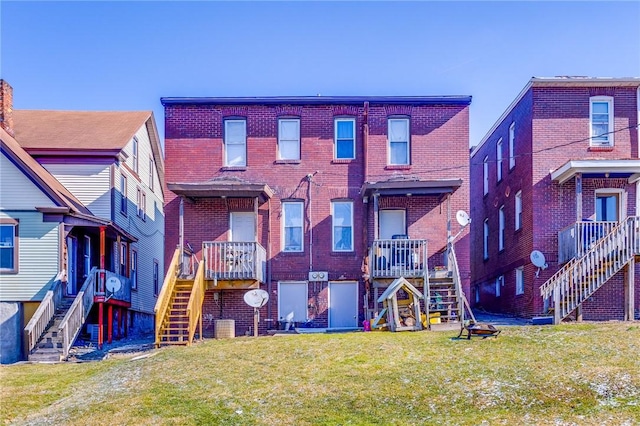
(319, 276)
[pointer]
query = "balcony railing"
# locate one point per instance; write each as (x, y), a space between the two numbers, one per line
(398, 258)
(234, 261)
(111, 286)
(576, 239)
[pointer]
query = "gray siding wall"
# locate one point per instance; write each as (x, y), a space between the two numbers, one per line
(39, 258)
(150, 232)
(90, 183)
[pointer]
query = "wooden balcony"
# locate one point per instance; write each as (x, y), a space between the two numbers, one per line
(234, 264)
(112, 288)
(398, 258)
(576, 239)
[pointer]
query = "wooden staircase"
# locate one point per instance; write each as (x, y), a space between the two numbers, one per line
(577, 280)
(179, 307)
(49, 347)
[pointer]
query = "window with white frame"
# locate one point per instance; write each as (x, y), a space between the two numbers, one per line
(520, 280)
(151, 169)
(499, 284)
(142, 204)
(123, 259)
(485, 175)
(156, 277)
(342, 215)
(501, 229)
(289, 139)
(345, 147)
(134, 152)
(499, 160)
(9, 246)
(123, 195)
(134, 269)
(235, 143)
(87, 255)
(601, 120)
(292, 220)
(518, 201)
(485, 239)
(398, 134)
(512, 144)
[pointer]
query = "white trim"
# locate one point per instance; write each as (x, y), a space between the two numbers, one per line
(280, 140)
(622, 205)
(335, 137)
(227, 143)
(499, 160)
(610, 121)
(485, 175)
(485, 239)
(519, 278)
(501, 228)
(518, 210)
(570, 168)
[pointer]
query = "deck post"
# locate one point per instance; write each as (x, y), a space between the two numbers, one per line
(629, 296)
(578, 197)
(579, 313)
(109, 324)
(100, 324)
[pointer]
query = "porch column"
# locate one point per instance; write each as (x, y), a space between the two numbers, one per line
(110, 324)
(629, 296)
(181, 231)
(100, 324)
(103, 243)
(578, 197)
(375, 216)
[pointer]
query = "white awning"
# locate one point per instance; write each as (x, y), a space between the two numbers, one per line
(607, 168)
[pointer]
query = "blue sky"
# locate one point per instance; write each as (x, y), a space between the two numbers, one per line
(126, 55)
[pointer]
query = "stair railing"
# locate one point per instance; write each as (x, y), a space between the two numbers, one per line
(462, 300)
(580, 278)
(77, 313)
(194, 307)
(164, 298)
(44, 314)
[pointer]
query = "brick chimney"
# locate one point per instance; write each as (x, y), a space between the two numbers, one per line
(6, 107)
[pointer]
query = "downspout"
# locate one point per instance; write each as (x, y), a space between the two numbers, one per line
(269, 287)
(309, 207)
(365, 140)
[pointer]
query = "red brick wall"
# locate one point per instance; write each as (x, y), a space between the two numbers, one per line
(193, 150)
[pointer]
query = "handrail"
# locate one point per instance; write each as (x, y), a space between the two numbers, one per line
(462, 299)
(576, 239)
(164, 298)
(41, 318)
(581, 277)
(194, 307)
(77, 313)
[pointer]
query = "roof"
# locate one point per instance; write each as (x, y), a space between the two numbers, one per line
(40, 176)
(319, 100)
(396, 285)
(561, 81)
(613, 168)
(221, 187)
(77, 130)
(411, 187)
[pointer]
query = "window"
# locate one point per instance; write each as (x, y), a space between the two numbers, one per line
(499, 284)
(499, 160)
(289, 139)
(134, 270)
(485, 239)
(9, 246)
(398, 132)
(518, 210)
(342, 215)
(485, 175)
(512, 143)
(142, 204)
(87, 255)
(123, 194)
(123, 259)
(607, 206)
(292, 211)
(501, 229)
(235, 143)
(134, 150)
(601, 117)
(156, 277)
(520, 280)
(151, 170)
(345, 138)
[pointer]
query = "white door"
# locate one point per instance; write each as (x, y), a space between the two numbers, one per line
(343, 304)
(392, 222)
(292, 301)
(72, 257)
(243, 226)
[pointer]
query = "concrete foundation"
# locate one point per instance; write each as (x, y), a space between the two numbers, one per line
(11, 314)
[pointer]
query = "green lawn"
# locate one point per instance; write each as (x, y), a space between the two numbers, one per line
(584, 374)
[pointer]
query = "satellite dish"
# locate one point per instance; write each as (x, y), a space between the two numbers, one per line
(463, 218)
(256, 298)
(537, 258)
(113, 284)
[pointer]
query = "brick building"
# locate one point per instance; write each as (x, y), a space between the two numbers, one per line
(559, 173)
(320, 201)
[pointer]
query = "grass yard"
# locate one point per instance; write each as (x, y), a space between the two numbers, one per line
(583, 374)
